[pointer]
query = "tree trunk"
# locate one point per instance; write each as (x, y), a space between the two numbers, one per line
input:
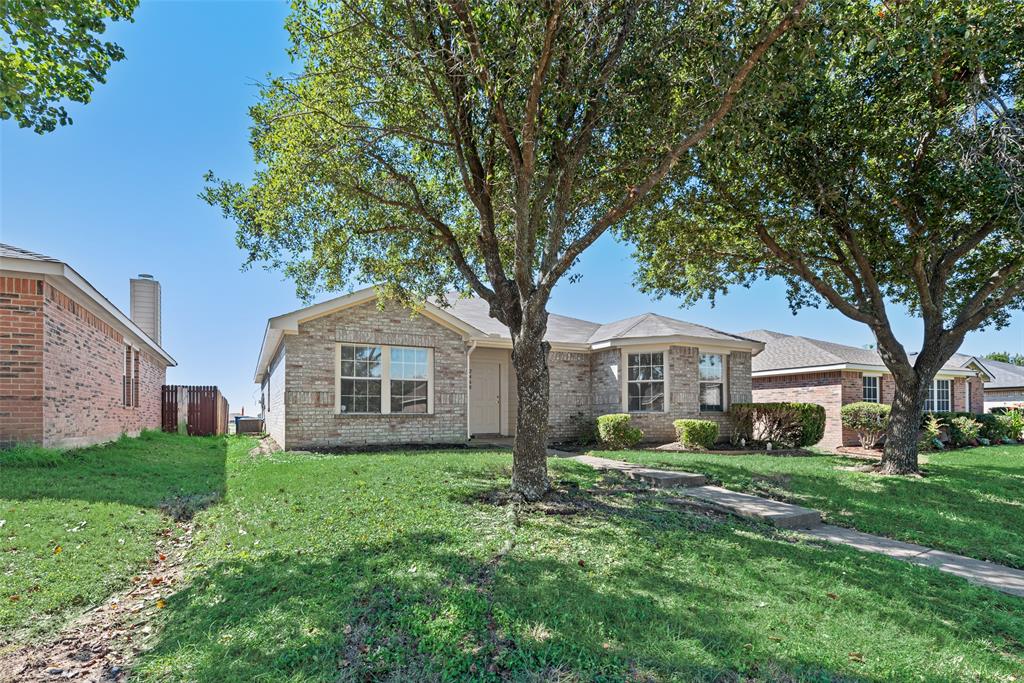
(900, 453)
(529, 452)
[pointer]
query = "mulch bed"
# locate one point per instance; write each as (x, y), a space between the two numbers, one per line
(860, 453)
(731, 449)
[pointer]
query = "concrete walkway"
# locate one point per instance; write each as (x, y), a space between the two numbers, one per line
(693, 490)
(979, 572)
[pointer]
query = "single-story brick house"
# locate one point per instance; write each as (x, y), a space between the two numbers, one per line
(349, 373)
(793, 368)
(74, 369)
(1006, 386)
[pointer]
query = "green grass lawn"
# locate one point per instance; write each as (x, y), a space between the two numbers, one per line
(398, 567)
(970, 501)
(77, 525)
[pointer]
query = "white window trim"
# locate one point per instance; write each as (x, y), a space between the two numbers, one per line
(624, 378)
(725, 380)
(385, 378)
(935, 393)
(878, 386)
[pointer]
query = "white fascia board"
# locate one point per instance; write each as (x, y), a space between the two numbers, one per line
(64, 277)
(855, 367)
(754, 347)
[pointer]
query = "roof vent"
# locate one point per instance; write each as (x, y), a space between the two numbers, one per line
(145, 276)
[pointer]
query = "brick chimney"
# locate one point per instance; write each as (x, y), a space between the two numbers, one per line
(145, 295)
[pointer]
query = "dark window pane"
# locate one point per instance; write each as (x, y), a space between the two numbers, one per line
(408, 396)
(711, 397)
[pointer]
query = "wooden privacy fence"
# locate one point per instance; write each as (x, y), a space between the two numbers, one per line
(193, 410)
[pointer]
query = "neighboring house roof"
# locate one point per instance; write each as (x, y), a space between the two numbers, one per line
(471, 317)
(1004, 375)
(68, 280)
(790, 354)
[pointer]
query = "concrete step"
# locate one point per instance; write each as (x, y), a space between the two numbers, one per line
(654, 477)
(776, 513)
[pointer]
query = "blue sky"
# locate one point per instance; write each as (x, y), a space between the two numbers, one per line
(115, 195)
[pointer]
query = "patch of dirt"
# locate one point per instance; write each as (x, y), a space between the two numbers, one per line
(99, 645)
(266, 446)
(751, 448)
(860, 453)
(184, 508)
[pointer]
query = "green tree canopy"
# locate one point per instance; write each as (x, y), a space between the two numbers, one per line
(888, 170)
(51, 52)
(1005, 357)
(427, 146)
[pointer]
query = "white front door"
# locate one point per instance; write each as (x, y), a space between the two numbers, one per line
(485, 397)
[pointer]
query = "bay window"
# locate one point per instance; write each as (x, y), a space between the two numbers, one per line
(380, 379)
(938, 396)
(711, 375)
(645, 387)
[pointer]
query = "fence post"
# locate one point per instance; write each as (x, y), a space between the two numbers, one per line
(183, 410)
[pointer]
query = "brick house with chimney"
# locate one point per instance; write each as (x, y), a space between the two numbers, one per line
(793, 368)
(74, 369)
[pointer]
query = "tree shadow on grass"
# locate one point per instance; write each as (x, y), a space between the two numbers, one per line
(177, 474)
(636, 591)
(966, 509)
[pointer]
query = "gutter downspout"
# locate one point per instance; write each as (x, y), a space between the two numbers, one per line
(472, 347)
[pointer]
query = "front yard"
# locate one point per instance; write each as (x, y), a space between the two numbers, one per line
(400, 566)
(970, 502)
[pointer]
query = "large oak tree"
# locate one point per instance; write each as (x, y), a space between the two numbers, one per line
(889, 171)
(483, 146)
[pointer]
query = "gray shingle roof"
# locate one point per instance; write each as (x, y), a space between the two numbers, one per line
(11, 251)
(1004, 375)
(566, 330)
(654, 325)
(787, 352)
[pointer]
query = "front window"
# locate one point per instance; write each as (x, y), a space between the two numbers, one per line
(383, 379)
(361, 370)
(871, 389)
(646, 384)
(938, 397)
(712, 382)
(408, 380)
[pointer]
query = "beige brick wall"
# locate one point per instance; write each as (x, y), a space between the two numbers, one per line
(684, 396)
(310, 420)
(570, 411)
(273, 398)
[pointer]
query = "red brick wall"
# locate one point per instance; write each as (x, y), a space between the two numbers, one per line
(823, 388)
(21, 360)
(84, 360)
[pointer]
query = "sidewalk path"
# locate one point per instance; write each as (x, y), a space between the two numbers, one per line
(691, 487)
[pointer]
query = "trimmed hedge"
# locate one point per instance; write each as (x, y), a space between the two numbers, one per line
(616, 431)
(697, 433)
(869, 420)
(786, 424)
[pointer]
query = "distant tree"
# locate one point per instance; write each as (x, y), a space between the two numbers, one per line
(51, 52)
(889, 171)
(484, 146)
(1005, 357)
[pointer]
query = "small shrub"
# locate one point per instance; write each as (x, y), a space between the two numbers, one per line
(983, 441)
(963, 431)
(1013, 420)
(993, 427)
(697, 433)
(785, 424)
(931, 429)
(869, 420)
(615, 431)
